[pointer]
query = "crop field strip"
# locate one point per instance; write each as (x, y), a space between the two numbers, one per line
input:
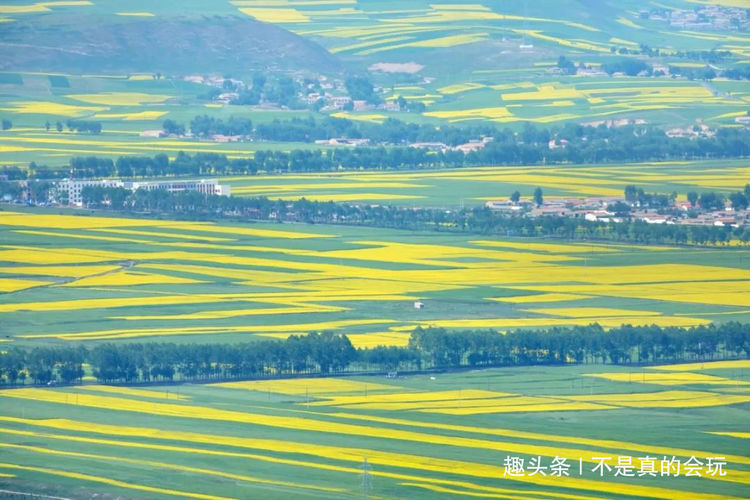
(405, 448)
(169, 279)
(476, 185)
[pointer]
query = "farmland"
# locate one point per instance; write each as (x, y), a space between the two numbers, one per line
(470, 69)
(445, 436)
(474, 186)
(74, 278)
(158, 344)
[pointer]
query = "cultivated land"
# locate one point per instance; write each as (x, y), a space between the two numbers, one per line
(82, 279)
(443, 436)
(473, 69)
(474, 186)
(91, 278)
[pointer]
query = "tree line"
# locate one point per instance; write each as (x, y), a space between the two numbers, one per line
(707, 200)
(332, 353)
(477, 220)
(584, 145)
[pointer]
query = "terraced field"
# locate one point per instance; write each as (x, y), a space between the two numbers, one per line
(85, 278)
(444, 436)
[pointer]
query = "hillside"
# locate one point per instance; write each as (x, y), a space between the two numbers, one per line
(165, 44)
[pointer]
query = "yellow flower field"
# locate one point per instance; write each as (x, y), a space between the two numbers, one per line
(542, 297)
(312, 387)
(62, 271)
(13, 285)
(140, 115)
(740, 435)
(114, 482)
(708, 365)
(41, 6)
(129, 278)
(458, 88)
(590, 312)
(52, 108)
(680, 378)
(275, 272)
(372, 117)
(362, 340)
(120, 98)
(382, 458)
(143, 393)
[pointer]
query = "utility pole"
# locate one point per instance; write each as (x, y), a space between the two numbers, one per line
(366, 479)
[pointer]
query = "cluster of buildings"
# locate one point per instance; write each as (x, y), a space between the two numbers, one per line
(602, 209)
(468, 147)
(72, 189)
(706, 17)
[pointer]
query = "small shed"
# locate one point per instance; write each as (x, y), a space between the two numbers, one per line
(419, 305)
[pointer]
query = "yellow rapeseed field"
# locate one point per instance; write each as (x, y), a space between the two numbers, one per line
(371, 117)
(276, 15)
(458, 88)
(590, 312)
(660, 378)
(313, 387)
(542, 297)
(113, 482)
(52, 108)
(708, 365)
(120, 98)
(41, 6)
(129, 391)
(13, 285)
(130, 278)
(60, 271)
(136, 116)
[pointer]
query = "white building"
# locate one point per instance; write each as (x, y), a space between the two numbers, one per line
(74, 188)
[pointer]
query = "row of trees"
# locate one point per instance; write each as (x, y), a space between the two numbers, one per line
(585, 145)
(479, 220)
(309, 129)
(86, 126)
(707, 200)
(206, 126)
(326, 353)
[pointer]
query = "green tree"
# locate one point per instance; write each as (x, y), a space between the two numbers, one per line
(515, 197)
(692, 197)
(739, 201)
(538, 197)
(631, 193)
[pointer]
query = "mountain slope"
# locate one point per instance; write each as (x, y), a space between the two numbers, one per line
(172, 44)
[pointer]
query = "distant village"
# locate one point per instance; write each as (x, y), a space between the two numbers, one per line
(719, 212)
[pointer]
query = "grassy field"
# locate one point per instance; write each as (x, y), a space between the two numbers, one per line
(473, 186)
(442, 436)
(73, 278)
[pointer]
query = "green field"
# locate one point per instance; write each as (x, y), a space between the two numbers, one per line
(73, 278)
(441, 436)
(79, 278)
(474, 186)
